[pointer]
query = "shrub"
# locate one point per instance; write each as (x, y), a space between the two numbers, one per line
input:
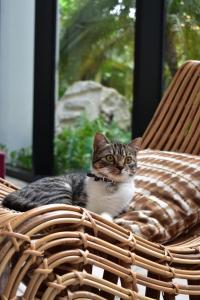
(21, 159)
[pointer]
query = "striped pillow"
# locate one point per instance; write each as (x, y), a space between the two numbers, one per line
(166, 202)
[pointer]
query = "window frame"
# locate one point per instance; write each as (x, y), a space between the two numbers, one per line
(147, 87)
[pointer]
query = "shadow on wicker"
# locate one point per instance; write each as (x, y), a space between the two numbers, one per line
(64, 252)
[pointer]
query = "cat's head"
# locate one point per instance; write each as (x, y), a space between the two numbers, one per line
(115, 161)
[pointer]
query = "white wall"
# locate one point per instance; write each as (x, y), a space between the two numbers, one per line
(16, 72)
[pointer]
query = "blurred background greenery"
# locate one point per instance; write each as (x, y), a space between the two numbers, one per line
(182, 35)
(97, 41)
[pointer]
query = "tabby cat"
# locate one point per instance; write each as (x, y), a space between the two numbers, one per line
(107, 190)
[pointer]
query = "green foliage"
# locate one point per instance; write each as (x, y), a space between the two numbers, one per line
(182, 34)
(21, 159)
(3, 148)
(73, 145)
(95, 43)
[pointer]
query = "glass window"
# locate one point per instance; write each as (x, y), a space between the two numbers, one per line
(16, 81)
(95, 76)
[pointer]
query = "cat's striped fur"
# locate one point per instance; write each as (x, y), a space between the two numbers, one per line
(114, 161)
(65, 189)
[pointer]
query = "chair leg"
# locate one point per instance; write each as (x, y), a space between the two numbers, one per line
(169, 297)
(151, 293)
(194, 282)
(194, 297)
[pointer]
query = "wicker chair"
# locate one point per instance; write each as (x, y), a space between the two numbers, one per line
(65, 252)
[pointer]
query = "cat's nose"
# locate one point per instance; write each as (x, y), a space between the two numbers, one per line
(120, 168)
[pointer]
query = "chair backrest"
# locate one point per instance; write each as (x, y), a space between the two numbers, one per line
(175, 125)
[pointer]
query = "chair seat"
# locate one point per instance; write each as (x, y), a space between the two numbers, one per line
(66, 252)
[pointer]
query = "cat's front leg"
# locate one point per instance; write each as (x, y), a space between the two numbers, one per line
(107, 216)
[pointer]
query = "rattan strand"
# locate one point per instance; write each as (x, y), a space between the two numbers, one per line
(177, 115)
(55, 249)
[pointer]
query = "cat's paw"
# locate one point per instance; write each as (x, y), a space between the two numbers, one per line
(107, 216)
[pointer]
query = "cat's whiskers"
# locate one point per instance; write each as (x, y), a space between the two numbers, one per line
(105, 172)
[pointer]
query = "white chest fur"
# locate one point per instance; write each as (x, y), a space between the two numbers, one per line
(102, 199)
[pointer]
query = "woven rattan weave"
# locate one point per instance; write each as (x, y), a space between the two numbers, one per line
(64, 252)
(175, 125)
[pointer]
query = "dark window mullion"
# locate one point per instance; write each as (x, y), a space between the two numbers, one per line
(44, 86)
(149, 37)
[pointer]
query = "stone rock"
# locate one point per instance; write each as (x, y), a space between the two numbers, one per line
(94, 100)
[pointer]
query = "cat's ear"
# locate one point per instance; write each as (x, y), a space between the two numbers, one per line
(100, 141)
(136, 144)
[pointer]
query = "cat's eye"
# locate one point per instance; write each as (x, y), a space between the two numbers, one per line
(110, 158)
(128, 160)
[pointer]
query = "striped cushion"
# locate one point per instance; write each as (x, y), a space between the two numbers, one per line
(166, 202)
